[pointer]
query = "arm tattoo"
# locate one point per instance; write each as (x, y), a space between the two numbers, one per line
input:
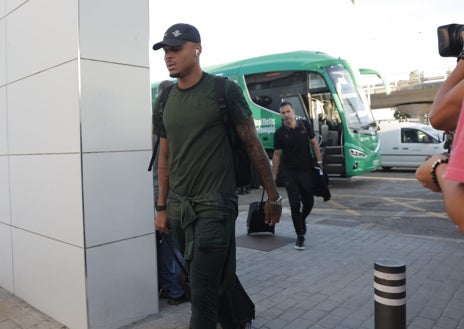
(258, 156)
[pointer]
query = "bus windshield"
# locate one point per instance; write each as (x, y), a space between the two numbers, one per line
(357, 112)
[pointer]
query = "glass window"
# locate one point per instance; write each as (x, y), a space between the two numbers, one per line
(357, 113)
(412, 135)
(271, 88)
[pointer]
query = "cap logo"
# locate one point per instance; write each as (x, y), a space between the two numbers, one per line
(176, 33)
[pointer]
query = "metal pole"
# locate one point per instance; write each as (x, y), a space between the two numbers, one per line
(390, 294)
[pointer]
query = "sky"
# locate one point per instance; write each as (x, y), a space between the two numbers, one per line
(394, 37)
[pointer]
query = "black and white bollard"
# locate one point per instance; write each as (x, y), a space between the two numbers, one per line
(390, 294)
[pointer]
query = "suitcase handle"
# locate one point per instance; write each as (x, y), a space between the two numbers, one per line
(176, 257)
(262, 195)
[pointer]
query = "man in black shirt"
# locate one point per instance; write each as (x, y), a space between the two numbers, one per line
(292, 153)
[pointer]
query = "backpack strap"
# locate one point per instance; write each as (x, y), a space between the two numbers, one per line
(306, 126)
(163, 97)
(220, 91)
(153, 155)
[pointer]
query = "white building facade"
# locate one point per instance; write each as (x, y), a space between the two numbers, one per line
(76, 200)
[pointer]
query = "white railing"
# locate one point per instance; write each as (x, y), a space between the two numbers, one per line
(426, 82)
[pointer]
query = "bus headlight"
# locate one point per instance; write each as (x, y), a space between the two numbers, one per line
(357, 153)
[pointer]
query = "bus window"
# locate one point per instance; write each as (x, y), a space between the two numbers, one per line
(316, 81)
(357, 112)
(298, 105)
(274, 87)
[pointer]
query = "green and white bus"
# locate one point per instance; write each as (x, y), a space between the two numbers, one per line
(322, 89)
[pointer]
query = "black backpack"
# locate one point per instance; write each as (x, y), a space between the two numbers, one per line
(242, 163)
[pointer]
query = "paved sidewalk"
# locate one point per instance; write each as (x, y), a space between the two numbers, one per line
(329, 285)
(17, 314)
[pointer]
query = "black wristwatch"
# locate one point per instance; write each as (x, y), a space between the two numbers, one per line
(160, 208)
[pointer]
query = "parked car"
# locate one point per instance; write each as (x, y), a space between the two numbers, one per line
(407, 144)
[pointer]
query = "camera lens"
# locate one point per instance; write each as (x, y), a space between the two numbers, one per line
(450, 41)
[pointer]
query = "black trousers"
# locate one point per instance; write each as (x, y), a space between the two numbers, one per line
(214, 242)
(299, 188)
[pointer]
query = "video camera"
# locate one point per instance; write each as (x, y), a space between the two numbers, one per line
(450, 41)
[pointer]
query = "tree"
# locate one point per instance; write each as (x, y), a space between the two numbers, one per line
(400, 115)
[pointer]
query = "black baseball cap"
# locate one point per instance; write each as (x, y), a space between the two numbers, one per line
(177, 35)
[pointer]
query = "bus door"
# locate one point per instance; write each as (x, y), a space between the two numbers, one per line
(326, 118)
(310, 94)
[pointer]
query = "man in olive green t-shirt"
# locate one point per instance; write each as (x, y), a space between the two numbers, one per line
(197, 200)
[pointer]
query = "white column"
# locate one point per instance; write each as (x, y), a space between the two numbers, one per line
(76, 209)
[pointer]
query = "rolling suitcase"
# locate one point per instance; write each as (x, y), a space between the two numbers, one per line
(255, 220)
(236, 310)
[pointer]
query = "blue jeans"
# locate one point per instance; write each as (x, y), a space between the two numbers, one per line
(168, 269)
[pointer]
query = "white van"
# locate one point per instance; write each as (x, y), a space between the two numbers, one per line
(407, 144)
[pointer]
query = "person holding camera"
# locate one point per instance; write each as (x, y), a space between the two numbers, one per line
(445, 172)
